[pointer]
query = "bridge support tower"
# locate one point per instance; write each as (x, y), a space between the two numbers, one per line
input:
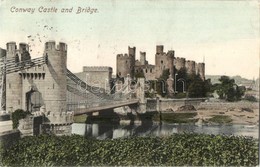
(57, 120)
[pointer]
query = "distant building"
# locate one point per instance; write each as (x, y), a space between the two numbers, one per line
(97, 76)
(127, 64)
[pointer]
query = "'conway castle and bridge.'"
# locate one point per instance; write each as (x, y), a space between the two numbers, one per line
(46, 88)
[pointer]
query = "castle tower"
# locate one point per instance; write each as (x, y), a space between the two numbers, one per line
(163, 61)
(179, 63)
(159, 49)
(13, 82)
(125, 63)
(170, 61)
(143, 58)
(160, 61)
(201, 70)
(190, 66)
(56, 77)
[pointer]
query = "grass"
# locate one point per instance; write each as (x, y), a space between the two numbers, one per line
(179, 117)
(80, 118)
(220, 119)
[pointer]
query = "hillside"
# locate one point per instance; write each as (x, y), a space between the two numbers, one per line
(238, 79)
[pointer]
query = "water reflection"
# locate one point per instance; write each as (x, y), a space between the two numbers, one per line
(112, 131)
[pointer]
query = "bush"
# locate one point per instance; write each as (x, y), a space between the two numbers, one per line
(17, 115)
(176, 150)
(251, 98)
(180, 95)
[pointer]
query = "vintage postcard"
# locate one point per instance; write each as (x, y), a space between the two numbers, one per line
(129, 83)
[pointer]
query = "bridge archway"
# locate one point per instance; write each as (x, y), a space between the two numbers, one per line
(33, 100)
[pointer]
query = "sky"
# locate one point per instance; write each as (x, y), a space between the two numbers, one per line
(224, 34)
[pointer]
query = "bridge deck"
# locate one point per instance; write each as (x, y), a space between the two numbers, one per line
(115, 104)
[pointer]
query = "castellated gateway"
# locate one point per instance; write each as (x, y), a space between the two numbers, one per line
(128, 65)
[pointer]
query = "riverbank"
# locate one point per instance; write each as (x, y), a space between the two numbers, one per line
(175, 150)
(200, 117)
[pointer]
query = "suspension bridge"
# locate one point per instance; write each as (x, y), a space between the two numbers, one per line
(35, 77)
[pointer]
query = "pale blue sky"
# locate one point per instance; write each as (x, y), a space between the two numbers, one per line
(225, 32)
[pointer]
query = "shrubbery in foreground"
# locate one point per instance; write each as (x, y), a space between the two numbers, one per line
(175, 150)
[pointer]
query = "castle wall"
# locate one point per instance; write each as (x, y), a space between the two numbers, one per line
(148, 71)
(179, 63)
(97, 76)
(190, 66)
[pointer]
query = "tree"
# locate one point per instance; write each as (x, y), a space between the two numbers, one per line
(181, 75)
(161, 85)
(196, 86)
(139, 74)
(228, 90)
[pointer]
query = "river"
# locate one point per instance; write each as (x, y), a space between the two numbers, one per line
(112, 131)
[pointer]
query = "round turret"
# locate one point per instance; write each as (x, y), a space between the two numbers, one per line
(56, 77)
(11, 49)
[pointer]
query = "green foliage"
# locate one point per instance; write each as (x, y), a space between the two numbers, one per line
(17, 115)
(176, 150)
(180, 95)
(228, 90)
(139, 74)
(193, 84)
(196, 86)
(182, 74)
(251, 98)
(161, 85)
(221, 119)
(165, 75)
(80, 118)
(179, 117)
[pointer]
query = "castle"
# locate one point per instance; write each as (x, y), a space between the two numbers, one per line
(43, 87)
(128, 65)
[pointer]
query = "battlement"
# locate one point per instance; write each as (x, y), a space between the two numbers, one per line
(159, 49)
(23, 47)
(60, 118)
(124, 56)
(142, 53)
(51, 45)
(97, 68)
(190, 61)
(170, 53)
(190, 66)
(180, 58)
